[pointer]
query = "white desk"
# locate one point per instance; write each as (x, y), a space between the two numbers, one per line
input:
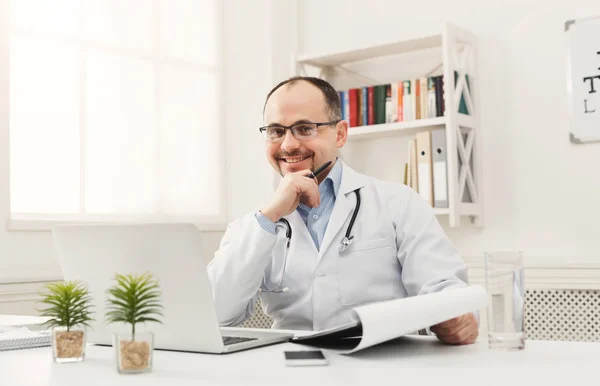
(413, 361)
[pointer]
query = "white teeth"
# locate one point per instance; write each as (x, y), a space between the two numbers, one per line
(294, 160)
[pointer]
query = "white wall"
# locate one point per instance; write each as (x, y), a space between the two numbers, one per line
(541, 193)
(247, 60)
(27, 256)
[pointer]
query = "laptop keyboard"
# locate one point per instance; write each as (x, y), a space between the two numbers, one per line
(227, 340)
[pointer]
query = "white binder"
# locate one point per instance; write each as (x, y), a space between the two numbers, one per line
(440, 170)
(424, 170)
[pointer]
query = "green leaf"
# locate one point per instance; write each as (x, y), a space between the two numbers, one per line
(67, 303)
(134, 298)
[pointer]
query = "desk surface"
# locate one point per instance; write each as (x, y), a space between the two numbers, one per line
(407, 361)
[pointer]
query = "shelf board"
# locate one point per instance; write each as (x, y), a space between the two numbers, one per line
(396, 128)
(405, 128)
(394, 48)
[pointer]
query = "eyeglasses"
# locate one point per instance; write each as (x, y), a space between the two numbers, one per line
(304, 130)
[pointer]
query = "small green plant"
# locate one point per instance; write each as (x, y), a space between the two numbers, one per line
(134, 299)
(69, 304)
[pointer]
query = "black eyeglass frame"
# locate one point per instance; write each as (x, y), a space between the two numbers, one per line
(317, 124)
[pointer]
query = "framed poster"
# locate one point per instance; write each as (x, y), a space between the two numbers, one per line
(583, 78)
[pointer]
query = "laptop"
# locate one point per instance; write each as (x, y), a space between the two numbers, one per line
(173, 254)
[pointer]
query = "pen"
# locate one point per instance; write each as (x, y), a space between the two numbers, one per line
(319, 170)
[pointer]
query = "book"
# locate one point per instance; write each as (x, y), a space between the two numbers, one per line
(383, 321)
(347, 106)
(400, 98)
(392, 113)
(417, 99)
(353, 109)
(371, 106)
(439, 96)
(424, 97)
(407, 101)
(431, 107)
(343, 104)
(443, 97)
(359, 109)
(379, 99)
(21, 337)
(388, 104)
(364, 104)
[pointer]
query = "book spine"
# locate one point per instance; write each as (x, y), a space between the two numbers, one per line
(407, 101)
(388, 103)
(394, 107)
(438, 96)
(365, 106)
(443, 98)
(359, 112)
(380, 104)
(353, 107)
(342, 105)
(424, 95)
(417, 99)
(400, 98)
(371, 105)
(431, 108)
(347, 106)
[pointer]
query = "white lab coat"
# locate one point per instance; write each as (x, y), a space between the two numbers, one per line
(399, 250)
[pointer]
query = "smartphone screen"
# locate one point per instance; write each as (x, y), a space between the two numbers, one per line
(304, 355)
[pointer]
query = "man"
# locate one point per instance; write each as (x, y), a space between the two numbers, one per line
(288, 252)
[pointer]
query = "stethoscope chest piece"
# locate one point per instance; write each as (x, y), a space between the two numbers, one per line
(345, 243)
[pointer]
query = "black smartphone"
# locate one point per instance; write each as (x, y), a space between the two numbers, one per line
(305, 358)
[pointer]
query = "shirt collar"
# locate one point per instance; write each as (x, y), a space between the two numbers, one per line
(331, 183)
(335, 176)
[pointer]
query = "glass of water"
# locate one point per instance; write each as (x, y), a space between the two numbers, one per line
(505, 285)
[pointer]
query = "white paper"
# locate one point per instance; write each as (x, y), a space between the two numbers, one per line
(392, 319)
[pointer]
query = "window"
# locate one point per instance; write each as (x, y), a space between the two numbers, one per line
(114, 110)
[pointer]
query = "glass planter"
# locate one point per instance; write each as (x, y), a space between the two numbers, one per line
(68, 346)
(134, 355)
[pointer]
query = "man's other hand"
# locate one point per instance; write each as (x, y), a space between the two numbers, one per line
(461, 330)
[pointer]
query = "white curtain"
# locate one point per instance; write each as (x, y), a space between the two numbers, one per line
(114, 108)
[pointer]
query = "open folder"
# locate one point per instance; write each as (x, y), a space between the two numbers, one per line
(383, 321)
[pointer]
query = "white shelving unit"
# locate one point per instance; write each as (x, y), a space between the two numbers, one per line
(458, 53)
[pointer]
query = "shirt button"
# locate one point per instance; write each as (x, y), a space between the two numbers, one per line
(320, 274)
(315, 217)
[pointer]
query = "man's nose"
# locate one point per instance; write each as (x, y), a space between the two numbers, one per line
(289, 141)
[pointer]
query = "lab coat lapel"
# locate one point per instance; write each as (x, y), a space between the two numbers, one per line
(344, 204)
(300, 230)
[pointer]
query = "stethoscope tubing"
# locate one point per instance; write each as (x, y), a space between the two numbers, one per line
(344, 244)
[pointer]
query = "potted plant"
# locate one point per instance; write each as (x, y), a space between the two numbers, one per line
(68, 306)
(134, 299)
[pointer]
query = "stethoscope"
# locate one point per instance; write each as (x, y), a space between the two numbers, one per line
(344, 244)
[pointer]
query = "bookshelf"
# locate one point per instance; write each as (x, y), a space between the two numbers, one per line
(458, 49)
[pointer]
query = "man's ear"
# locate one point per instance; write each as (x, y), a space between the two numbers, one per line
(341, 132)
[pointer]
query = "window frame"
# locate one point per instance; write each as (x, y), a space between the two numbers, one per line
(46, 222)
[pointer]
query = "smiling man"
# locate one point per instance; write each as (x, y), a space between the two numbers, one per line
(320, 246)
